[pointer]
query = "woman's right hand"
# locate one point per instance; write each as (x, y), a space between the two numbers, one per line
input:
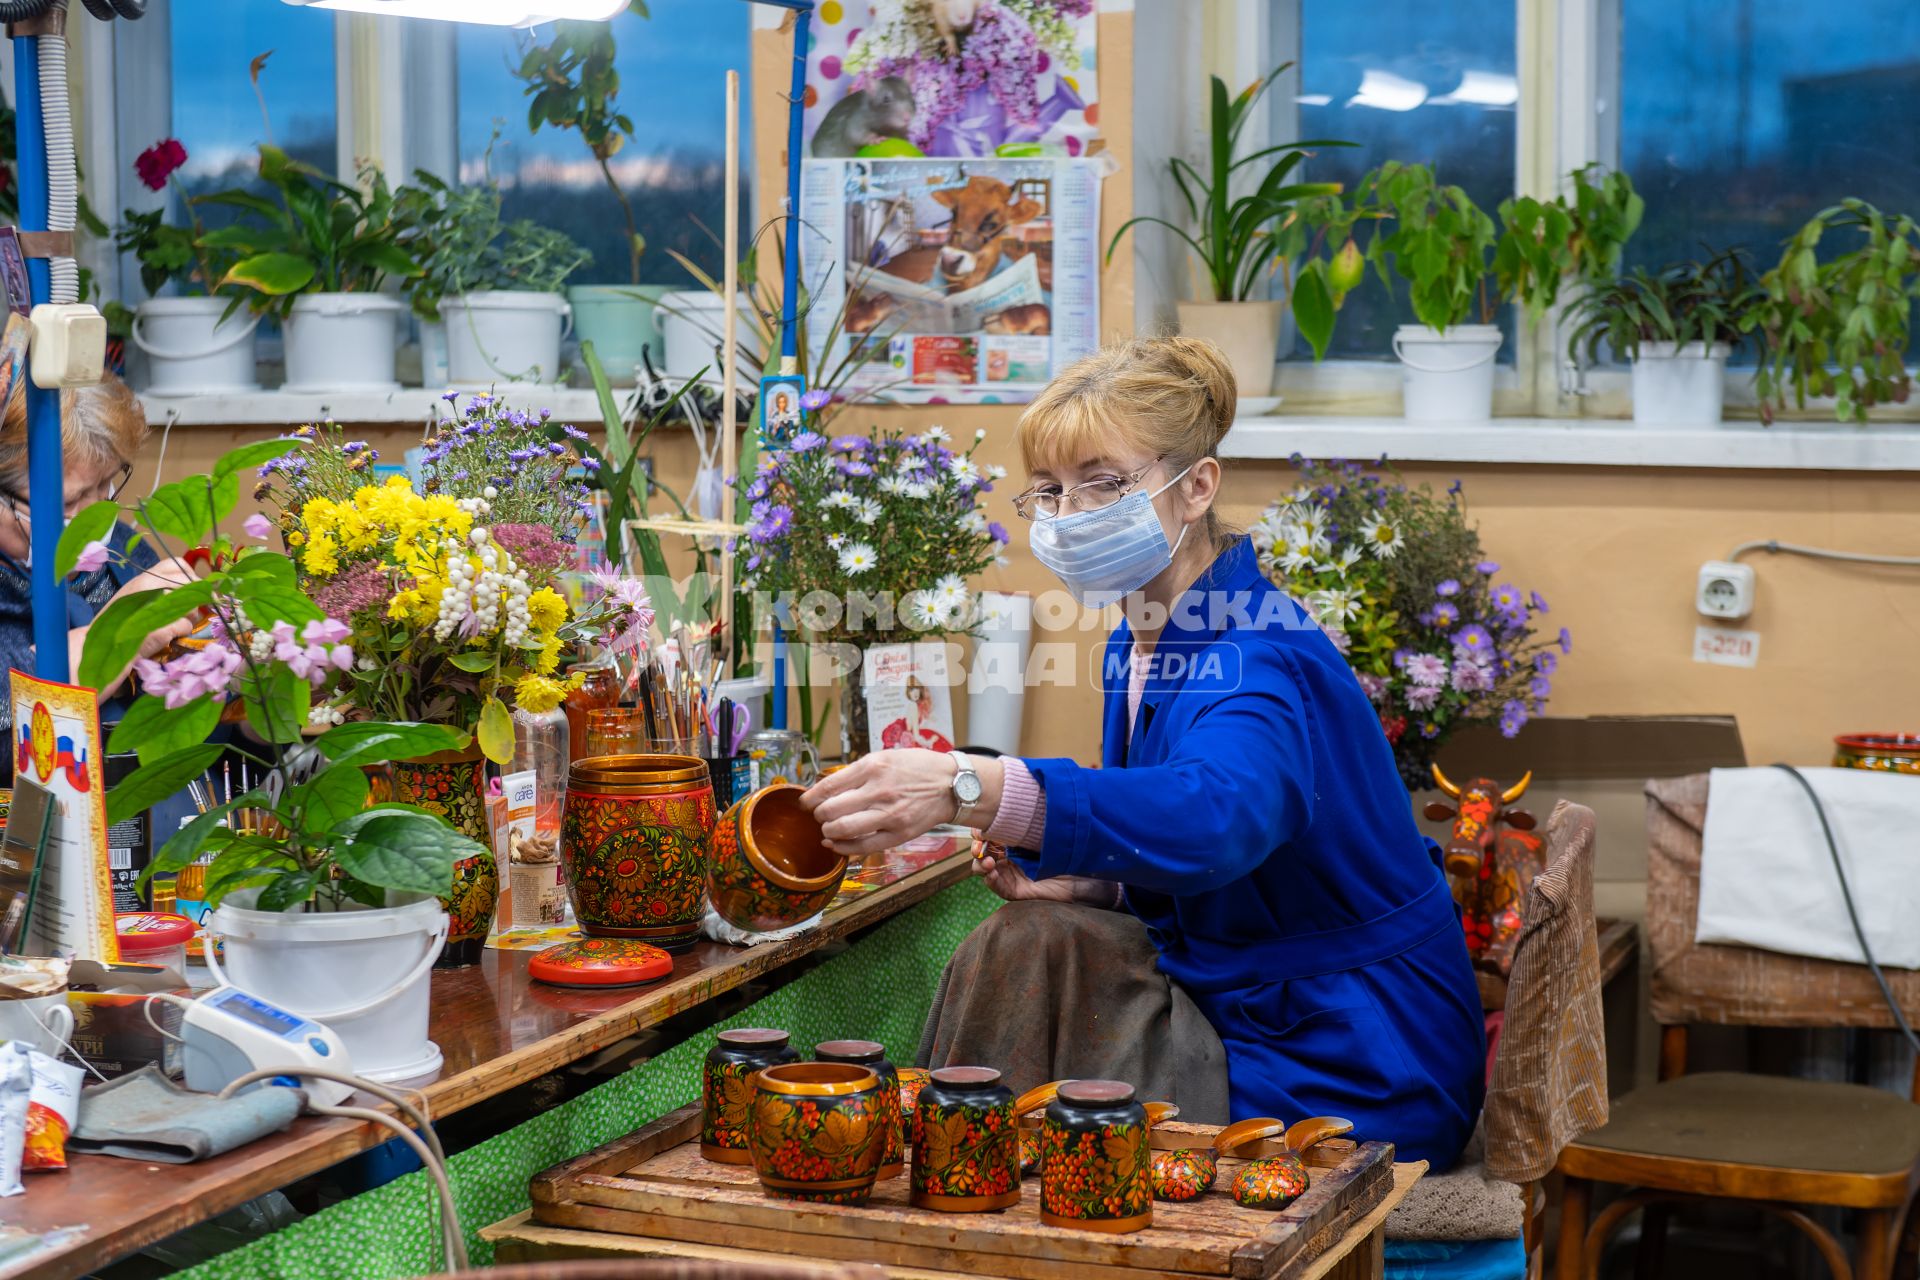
(1005, 878)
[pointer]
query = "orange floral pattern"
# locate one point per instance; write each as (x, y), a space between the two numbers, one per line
(1183, 1175)
(966, 1151)
(746, 899)
(453, 789)
(1273, 1183)
(1096, 1172)
(637, 865)
(825, 1141)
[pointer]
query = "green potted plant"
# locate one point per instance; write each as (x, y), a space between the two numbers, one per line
(1248, 227)
(316, 256)
(299, 861)
(1676, 327)
(193, 343)
(1578, 239)
(1840, 328)
(494, 287)
(573, 84)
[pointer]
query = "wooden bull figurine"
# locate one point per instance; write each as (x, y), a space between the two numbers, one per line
(1492, 857)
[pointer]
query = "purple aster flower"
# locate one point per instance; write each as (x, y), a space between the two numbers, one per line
(520, 455)
(998, 532)
(1513, 717)
(1538, 602)
(807, 441)
(1472, 677)
(753, 562)
(1443, 615)
(1373, 686)
(1400, 657)
(850, 444)
(1566, 640)
(1508, 604)
(354, 446)
(1540, 687)
(815, 400)
(1422, 697)
(1487, 568)
(1545, 661)
(1447, 587)
(1473, 641)
(591, 464)
(1429, 731)
(1453, 490)
(570, 431)
(858, 468)
(555, 448)
(1427, 669)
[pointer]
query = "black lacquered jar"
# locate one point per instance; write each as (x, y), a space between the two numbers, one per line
(1096, 1163)
(966, 1152)
(873, 1054)
(726, 1089)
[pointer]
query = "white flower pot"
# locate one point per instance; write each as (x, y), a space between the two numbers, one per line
(362, 972)
(1447, 375)
(342, 342)
(691, 324)
(1247, 332)
(191, 350)
(1679, 385)
(503, 335)
(620, 320)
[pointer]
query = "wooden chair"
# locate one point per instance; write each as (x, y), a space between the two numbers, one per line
(1776, 1143)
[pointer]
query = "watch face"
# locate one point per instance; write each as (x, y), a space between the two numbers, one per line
(966, 788)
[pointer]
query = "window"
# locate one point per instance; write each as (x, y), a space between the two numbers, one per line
(1410, 81)
(1741, 119)
(215, 109)
(672, 68)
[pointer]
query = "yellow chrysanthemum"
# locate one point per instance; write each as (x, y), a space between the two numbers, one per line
(549, 658)
(320, 557)
(542, 693)
(547, 609)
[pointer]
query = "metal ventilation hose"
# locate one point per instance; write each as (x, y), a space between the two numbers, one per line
(63, 181)
(23, 10)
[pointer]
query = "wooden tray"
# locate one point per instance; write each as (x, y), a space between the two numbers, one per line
(655, 1183)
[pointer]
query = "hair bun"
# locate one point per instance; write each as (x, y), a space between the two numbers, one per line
(1206, 364)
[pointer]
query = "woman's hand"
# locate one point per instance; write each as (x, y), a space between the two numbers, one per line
(1006, 879)
(887, 798)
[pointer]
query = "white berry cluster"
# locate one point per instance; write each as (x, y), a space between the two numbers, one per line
(481, 586)
(322, 714)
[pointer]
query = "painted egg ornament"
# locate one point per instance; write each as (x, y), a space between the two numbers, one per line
(1272, 1183)
(1183, 1175)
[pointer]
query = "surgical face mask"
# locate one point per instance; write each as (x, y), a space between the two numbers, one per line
(1103, 556)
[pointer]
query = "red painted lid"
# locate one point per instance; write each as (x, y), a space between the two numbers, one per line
(144, 932)
(967, 1077)
(600, 962)
(1096, 1092)
(1879, 741)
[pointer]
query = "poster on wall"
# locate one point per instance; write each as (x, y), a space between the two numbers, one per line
(952, 78)
(56, 743)
(963, 281)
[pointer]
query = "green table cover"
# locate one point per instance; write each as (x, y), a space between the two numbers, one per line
(880, 989)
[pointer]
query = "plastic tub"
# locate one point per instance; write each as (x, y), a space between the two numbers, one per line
(154, 937)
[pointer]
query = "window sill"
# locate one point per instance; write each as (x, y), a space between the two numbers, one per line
(1591, 442)
(413, 405)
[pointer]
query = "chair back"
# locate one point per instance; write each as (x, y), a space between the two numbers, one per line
(1549, 1081)
(1734, 985)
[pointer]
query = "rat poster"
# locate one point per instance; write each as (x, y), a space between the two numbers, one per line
(952, 78)
(909, 696)
(966, 281)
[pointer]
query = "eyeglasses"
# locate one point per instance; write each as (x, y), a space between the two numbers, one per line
(113, 489)
(1046, 503)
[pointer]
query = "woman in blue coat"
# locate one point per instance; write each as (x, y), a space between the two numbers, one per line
(1246, 851)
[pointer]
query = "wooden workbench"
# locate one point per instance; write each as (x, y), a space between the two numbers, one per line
(497, 1029)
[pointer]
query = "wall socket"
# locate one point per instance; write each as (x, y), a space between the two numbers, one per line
(1725, 590)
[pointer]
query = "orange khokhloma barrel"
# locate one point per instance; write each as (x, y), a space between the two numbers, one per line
(771, 868)
(633, 845)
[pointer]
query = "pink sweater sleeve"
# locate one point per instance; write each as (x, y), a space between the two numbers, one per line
(1021, 822)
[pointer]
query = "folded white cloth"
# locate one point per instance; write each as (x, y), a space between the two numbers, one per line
(720, 931)
(1767, 880)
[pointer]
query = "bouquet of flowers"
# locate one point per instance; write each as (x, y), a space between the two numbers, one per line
(451, 596)
(863, 540)
(994, 76)
(1397, 578)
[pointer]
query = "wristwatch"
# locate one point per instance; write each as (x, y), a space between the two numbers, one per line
(966, 788)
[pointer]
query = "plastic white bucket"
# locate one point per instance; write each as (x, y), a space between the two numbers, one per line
(502, 335)
(362, 972)
(191, 350)
(1447, 376)
(620, 321)
(342, 342)
(1679, 385)
(691, 324)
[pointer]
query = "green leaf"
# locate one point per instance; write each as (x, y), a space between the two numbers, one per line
(249, 456)
(277, 702)
(410, 852)
(274, 274)
(154, 782)
(1313, 308)
(286, 891)
(378, 741)
(116, 634)
(185, 844)
(496, 731)
(189, 509)
(329, 798)
(151, 731)
(474, 660)
(94, 523)
(388, 258)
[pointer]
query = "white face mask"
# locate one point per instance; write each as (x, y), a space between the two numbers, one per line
(1102, 556)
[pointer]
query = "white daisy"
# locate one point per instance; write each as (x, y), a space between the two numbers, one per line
(858, 557)
(963, 469)
(951, 586)
(1382, 536)
(1311, 528)
(869, 510)
(1295, 558)
(893, 486)
(974, 522)
(1348, 558)
(839, 500)
(911, 462)
(1330, 608)
(996, 472)
(917, 489)
(835, 541)
(926, 611)
(939, 435)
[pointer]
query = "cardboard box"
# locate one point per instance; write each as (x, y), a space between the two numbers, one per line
(110, 1026)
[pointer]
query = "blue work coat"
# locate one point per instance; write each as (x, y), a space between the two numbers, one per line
(1260, 827)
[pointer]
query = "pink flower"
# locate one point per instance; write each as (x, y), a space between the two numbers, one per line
(191, 676)
(157, 163)
(93, 557)
(257, 526)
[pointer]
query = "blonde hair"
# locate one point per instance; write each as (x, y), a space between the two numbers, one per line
(101, 423)
(1171, 397)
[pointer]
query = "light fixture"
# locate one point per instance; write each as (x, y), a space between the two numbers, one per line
(494, 13)
(1387, 91)
(1483, 89)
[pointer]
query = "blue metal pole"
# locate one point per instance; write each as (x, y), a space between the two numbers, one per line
(46, 499)
(796, 119)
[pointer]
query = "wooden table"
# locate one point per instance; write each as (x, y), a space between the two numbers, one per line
(497, 1029)
(1359, 1254)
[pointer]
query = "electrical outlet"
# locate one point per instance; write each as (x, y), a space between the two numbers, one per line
(1725, 590)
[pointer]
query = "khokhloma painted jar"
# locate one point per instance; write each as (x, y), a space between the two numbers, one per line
(727, 1085)
(1096, 1162)
(966, 1150)
(633, 846)
(872, 1054)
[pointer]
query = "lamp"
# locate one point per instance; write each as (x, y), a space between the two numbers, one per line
(496, 13)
